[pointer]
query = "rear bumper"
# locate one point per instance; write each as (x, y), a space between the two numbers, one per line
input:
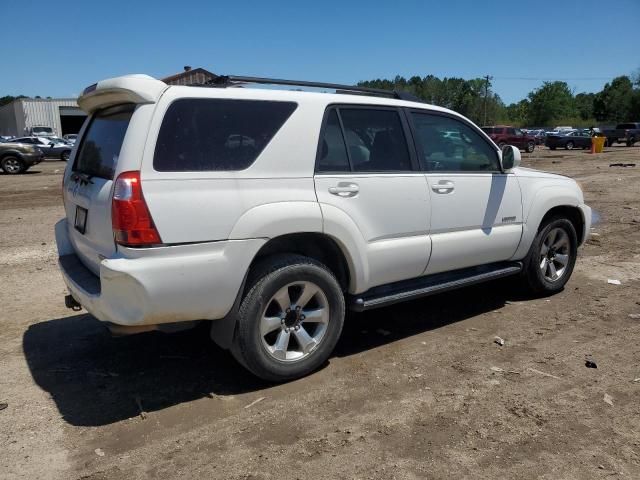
(161, 285)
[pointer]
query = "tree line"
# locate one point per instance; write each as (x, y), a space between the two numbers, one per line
(553, 103)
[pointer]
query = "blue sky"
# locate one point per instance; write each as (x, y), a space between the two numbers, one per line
(58, 49)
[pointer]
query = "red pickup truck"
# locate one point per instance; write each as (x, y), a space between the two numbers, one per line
(505, 135)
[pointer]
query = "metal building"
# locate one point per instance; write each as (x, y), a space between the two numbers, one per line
(62, 114)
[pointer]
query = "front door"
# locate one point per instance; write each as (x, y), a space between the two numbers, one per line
(372, 193)
(476, 210)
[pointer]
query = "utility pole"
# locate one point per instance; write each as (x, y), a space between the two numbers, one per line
(486, 93)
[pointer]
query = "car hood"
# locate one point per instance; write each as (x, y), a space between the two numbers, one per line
(532, 173)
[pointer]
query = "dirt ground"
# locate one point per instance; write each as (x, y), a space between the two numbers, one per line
(414, 391)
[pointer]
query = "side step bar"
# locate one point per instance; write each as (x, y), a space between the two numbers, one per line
(385, 295)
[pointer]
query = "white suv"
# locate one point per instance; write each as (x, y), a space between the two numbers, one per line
(271, 212)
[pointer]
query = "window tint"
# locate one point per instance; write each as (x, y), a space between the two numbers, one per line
(100, 148)
(375, 140)
(333, 152)
(511, 131)
(212, 134)
(442, 150)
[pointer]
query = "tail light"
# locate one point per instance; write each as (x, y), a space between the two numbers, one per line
(130, 217)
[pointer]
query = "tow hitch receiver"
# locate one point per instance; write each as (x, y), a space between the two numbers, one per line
(72, 303)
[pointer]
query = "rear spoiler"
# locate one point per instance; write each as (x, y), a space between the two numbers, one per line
(138, 89)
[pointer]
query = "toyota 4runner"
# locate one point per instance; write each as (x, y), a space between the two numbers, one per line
(271, 212)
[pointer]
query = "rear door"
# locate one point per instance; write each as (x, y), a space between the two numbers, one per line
(87, 187)
(368, 183)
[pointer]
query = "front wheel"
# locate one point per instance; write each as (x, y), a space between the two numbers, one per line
(501, 145)
(531, 147)
(12, 165)
(569, 146)
(65, 155)
(552, 256)
(290, 319)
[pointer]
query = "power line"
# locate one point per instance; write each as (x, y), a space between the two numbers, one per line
(538, 79)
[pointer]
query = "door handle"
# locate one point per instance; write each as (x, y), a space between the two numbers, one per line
(443, 186)
(345, 189)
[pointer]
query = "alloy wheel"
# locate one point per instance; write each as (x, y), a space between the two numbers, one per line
(294, 321)
(554, 254)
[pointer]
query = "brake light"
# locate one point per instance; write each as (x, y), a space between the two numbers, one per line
(130, 217)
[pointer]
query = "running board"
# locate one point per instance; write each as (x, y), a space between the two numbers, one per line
(385, 295)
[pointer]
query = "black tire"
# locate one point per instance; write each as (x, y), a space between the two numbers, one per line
(534, 276)
(531, 146)
(501, 145)
(610, 142)
(265, 281)
(64, 156)
(12, 165)
(552, 148)
(568, 146)
(630, 142)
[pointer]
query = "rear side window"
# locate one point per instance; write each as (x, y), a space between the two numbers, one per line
(215, 134)
(100, 147)
(333, 152)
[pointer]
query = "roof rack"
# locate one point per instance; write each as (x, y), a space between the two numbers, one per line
(229, 80)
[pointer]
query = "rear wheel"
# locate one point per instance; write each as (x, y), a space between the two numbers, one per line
(552, 256)
(552, 148)
(569, 146)
(630, 142)
(610, 142)
(12, 165)
(65, 155)
(501, 145)
(531, 146)
(290, 319)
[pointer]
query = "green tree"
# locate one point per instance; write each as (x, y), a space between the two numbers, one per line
(549, 103)
(9, 98)
(584, 105)
(615, 102)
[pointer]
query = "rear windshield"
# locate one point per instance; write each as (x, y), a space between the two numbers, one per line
(214, 134)
(100, 147)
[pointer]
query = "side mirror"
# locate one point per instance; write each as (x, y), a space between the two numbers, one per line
(510, 158)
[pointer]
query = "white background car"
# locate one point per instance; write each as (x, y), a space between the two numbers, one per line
(328, 202)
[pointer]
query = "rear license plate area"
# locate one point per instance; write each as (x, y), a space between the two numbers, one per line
(80, 223)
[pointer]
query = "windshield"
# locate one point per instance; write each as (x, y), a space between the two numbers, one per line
(42, 130)
(100, 146)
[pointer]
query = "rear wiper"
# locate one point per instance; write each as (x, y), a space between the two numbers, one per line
(83, 178)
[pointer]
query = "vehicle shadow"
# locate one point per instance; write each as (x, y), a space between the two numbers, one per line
(96, 379)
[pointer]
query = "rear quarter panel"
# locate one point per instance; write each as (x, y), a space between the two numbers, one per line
(275, 195)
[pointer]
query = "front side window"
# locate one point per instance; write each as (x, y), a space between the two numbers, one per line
(217, 134)
(447, 144)
(375, 140)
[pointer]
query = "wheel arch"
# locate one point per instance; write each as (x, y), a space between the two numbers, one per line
(571, 213)
(318, 246)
